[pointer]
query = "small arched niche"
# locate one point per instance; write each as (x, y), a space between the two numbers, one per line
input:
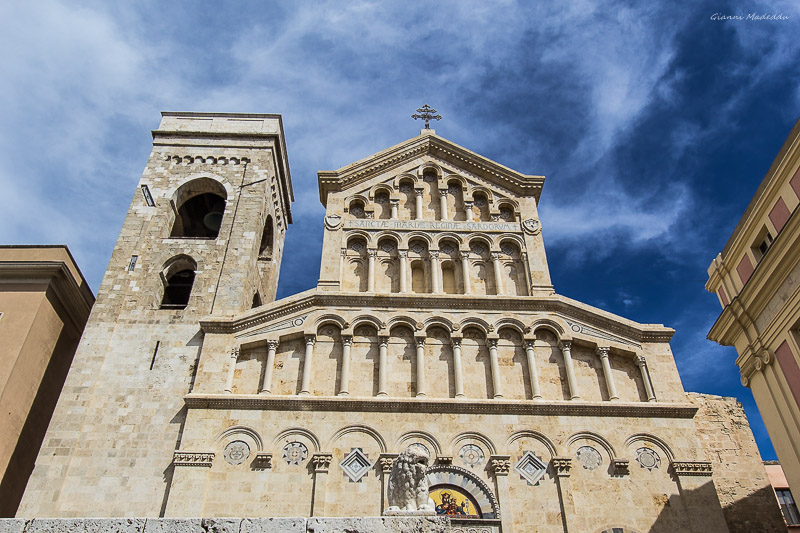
(178, 279)
(267, 240)
(200, 205)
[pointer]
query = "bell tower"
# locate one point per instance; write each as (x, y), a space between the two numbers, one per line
(203, 236)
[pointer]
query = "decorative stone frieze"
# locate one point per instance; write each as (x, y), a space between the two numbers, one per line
(192, 458)
(692, 468)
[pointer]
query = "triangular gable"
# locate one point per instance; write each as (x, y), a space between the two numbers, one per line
(428, 143)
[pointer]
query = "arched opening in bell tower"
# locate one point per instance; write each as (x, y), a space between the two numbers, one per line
(199, 205)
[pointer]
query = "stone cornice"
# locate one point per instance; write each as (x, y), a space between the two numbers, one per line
(77, 301)
(415, 405)
(360, 171)
(181, 458)
(629, 332)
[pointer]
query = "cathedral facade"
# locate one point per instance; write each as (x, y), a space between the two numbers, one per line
(434, 324)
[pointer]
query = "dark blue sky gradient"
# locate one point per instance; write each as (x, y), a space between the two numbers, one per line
(653, 124)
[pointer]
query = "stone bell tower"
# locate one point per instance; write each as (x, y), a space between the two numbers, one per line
(203, 236)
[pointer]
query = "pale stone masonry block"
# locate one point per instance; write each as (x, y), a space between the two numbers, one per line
(80, 525)
(379, 525)
(273, 525)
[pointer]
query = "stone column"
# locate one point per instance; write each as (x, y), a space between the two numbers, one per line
(498, 273)
(561, 468)
(344, 385)
(500, 466)
(468, 208)
(465, 272)
(566, 350)
(443, 204)
(269, 367)
(395, 204)
(371, 270)
(418, 213)
(403, 270)
(497, 388)
(321, 463)
(420, 367)
(386, 461)
(536, 393)
(526, 265)
(341, 266)
(231, 370)
(457, 370)
(648, 386)
(308, 362)
(602, 351)
(435, 271)
(382, 365)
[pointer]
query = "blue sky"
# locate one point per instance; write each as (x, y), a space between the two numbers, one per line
(653, 124)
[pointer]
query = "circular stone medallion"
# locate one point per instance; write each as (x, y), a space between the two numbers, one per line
(295, 453)
(647, 458)
(236, 452)
(471, 454)
(588, 457)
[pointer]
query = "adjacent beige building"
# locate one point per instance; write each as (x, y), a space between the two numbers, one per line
(44, 305)
(756, 280)
(434, 324)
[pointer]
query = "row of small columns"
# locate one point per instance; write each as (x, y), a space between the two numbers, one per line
(497, 388)
(437, 284)
(418, 212)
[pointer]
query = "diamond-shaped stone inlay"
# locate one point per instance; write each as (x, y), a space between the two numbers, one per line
(530, 467)
(356, 464)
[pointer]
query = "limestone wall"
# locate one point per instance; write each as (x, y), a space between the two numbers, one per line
(745, 493)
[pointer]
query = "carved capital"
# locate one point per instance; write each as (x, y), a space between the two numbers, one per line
(373, 253)
(465, 255)
(491, 343)
(620, 467)
(420, 342)
(529, 343)
(456, 343)
(235, 353)
(383, 341)
(495, 256)
(745, 381)
(419, 192)
(602, 351)
(192, 458)
(500, 465)
(402, 253)
(263, 460)
(691, 468)
(394, 203)
(640, 360)
(272, 344)
(347, 340)
(561, 466)
(321, 461)
(310, 339)
(434, 254)
(386, 461)
(443, 193)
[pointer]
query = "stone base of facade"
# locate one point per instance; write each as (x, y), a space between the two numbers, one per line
(233, 525)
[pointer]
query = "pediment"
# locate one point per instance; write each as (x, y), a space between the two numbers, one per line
(428, 145)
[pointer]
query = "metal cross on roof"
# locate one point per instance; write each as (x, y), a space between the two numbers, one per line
(426, 113)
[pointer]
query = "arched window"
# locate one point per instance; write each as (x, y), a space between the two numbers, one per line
(200, 205)
(256, 300)
(418, 277)
(357, 209)
(178, 278)
(265, 248)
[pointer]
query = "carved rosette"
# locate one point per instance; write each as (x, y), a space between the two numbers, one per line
(192, 458)
(692, 468)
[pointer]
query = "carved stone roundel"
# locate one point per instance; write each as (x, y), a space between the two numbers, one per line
(236, 452)
(295, 453)
(647, 458)
(588, 457)
(471, 454)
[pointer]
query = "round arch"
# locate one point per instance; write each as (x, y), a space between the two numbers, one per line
(358, 428)
(461, 479)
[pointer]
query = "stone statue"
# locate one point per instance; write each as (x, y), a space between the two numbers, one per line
(408, 488)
